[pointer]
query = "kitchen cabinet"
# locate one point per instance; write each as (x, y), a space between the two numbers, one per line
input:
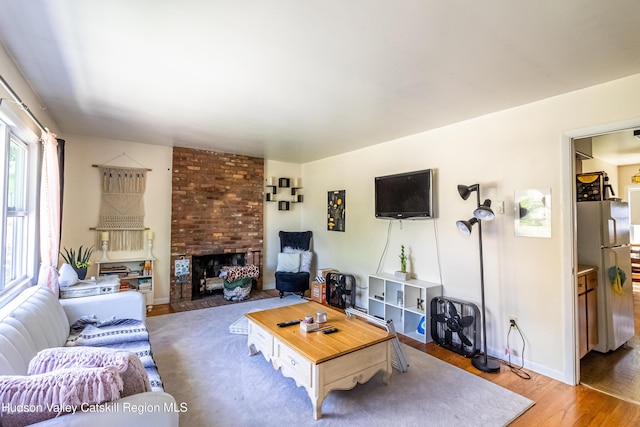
(587, 309)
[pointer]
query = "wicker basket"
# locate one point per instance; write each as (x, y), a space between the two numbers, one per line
(238, 290)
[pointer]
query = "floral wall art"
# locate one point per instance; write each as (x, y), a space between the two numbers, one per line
(336, 210)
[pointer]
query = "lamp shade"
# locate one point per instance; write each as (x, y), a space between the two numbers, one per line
(466, 190)
(484, 212)
(465, 226)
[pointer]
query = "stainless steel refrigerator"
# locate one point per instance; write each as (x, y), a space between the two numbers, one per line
(603, 241)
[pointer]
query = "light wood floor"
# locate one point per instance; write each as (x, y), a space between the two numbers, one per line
(616, 372)
(557, 404)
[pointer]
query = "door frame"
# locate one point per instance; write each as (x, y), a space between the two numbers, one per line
(569, 241)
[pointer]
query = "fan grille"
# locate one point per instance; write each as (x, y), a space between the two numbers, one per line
(453, 325)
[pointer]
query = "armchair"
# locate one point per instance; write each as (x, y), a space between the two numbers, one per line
(294, 262)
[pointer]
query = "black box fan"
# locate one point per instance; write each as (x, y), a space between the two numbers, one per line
(453, 325)
(341, 290)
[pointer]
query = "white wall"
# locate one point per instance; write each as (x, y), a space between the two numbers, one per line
(82, 199)
(14, 78)
(275, 220)
(520, 148)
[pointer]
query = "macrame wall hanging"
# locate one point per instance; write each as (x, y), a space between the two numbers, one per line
(122, 206)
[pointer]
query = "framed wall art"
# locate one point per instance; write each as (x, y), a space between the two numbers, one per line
(533, 212)
(336, 210)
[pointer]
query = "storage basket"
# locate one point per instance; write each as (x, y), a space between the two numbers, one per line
(238, 290)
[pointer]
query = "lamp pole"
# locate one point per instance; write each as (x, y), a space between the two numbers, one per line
(481, 361)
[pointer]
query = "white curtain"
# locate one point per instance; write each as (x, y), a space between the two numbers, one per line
(49, 214)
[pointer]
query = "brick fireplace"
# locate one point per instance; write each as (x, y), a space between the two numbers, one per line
(217, 208)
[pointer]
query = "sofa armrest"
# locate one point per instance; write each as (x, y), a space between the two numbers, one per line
(119, 305)
(157, 409)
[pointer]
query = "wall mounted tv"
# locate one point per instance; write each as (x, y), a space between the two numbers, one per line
(405, 195)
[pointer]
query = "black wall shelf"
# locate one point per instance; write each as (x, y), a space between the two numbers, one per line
(271, 192)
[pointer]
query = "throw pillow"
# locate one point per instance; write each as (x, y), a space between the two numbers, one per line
(288, 262)
(27, 399)
(134, 376)
(67, 275)
(305, 257)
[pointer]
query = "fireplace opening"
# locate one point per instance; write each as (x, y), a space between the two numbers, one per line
(206, 278)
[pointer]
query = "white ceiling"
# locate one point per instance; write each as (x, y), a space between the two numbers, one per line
(297, 80)
(618, 148)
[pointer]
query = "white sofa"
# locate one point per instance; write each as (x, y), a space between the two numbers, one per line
(36, 320)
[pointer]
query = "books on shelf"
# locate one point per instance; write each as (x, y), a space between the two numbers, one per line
(129, 275)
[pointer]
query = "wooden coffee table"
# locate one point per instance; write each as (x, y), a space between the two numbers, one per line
(316, 361)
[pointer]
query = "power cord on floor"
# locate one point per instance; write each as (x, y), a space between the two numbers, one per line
(518, 370)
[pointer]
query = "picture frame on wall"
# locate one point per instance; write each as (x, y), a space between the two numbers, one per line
(336, 210)
(533, 212)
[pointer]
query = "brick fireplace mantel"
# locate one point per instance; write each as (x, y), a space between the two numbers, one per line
(217, 207)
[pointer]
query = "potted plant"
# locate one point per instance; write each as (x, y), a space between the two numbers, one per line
(402, 274)
(79, 261)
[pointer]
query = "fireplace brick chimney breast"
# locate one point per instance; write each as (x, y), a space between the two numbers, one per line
(217, 207)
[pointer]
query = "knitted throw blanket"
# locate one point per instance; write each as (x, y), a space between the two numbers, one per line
(66, 387)
(132, 372)
(122, 207)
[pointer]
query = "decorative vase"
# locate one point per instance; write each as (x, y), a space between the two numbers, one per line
(81, 271)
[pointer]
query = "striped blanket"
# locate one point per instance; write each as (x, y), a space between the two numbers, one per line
(122, 334)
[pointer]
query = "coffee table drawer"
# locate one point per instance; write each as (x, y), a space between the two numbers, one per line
(261, 339)
(293, 364)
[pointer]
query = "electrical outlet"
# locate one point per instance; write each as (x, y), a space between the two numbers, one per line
(513, 320)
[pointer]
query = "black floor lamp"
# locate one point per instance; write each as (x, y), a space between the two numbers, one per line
(482, 212)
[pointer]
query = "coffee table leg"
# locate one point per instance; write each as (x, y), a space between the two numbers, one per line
(317, 409)
(386, 376)
(316, 393)
(252, 350)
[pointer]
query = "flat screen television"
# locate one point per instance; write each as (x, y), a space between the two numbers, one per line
(405, 195)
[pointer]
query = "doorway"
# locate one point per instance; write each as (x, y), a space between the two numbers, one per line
(618, 154)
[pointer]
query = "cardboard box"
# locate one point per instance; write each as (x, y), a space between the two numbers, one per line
(319, 292)
(322, 272)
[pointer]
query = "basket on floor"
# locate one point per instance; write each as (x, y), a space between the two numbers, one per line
(237, 290)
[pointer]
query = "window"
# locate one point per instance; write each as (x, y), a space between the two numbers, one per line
(18, 179)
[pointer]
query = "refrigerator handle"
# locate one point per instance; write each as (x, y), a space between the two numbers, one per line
(613, 232)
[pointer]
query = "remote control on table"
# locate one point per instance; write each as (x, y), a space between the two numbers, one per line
(289, 323)
(330, 331)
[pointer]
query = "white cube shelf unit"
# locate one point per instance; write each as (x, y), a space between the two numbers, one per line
(397, 300)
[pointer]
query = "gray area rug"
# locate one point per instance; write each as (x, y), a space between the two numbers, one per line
(209, 370)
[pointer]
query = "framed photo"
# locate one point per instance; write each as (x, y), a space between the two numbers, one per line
(533, 212)
(336, 210)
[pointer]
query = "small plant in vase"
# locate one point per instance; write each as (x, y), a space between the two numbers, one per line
(402, 274)
(78, 261)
